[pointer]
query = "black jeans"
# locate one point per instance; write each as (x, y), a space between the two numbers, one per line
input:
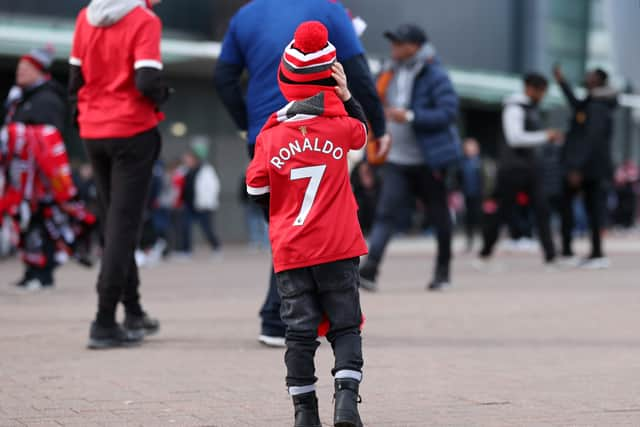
(272, 324)
(509, 183)
(401, 185)
(309, 294)
(123, 171)
(206, 220)
(594, 201)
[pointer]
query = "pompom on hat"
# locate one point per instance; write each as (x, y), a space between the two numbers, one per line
(307, 61)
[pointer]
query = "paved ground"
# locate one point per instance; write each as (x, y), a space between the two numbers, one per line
(516, 348)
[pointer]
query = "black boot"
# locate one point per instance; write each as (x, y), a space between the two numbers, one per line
(306, 410)
(347, 398)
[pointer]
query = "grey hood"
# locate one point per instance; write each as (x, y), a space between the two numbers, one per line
(104, 13)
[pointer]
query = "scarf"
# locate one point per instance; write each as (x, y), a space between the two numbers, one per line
(325, 103)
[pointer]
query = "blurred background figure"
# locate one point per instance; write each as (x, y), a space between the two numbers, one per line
(626, 191)
(366, 188)
(587, 159)
(421, 106)
(201, 196)
(37, 99)
(520, 173)
(257, 226)
(471, 184)
(153, 241)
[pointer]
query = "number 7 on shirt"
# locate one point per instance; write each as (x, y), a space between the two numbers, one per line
(315, 173)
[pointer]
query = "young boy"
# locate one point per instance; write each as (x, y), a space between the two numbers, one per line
(300, 171)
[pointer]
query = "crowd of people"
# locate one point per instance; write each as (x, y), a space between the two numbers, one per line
(135, 209)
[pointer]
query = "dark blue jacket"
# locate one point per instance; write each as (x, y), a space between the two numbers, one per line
(435, 105)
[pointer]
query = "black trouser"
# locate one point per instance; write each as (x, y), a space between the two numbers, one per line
(401, 185)
(309, 294)
(38, 242)
(510, 181)
(272, 324)
(594, 201)
(472, 217)
(206, 220)
(123, 171)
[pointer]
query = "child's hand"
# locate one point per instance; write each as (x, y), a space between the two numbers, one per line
(342, 90)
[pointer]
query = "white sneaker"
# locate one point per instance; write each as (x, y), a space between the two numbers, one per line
(33, 285)
(569, 261)
(601, 263)
(269, 341)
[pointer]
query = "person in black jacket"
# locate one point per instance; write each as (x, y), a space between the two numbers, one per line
(37, 99)
(587, 159)
(521, 168)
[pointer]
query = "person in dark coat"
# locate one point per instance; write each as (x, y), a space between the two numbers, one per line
(587, 159)
(422, 107)
(37, 99)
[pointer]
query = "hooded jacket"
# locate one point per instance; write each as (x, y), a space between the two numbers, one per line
(587, 149)
(105, 13)
(115, 69)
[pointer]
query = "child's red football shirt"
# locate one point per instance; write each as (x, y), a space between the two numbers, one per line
(109, 104)
(313, 214)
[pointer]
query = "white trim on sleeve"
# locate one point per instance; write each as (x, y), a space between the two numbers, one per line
(258, 191)
(75, 61)
(148, 63)
(366, 137)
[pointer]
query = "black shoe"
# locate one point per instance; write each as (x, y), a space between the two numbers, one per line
(368, 274)
(102, 337)
(306, 410)
(144, 323)
(346, 399)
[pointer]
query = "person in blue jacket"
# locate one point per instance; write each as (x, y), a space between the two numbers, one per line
(422, 106)
(255, 39)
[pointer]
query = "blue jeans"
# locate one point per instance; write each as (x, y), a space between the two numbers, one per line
(205, 219)
(400, 186)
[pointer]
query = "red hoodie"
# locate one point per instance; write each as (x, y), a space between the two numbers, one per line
(109, 104)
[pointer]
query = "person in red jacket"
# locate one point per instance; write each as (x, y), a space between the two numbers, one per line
(116, 83)
(39, 195)
(300, 171)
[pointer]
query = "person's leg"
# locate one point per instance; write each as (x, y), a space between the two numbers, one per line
(99, 154)
(206, 218)
(131, 167)
(272, 325)
(594, 199)
(469, 220)
(543, 214)
(340, 301)
(302, 314)
(187, 229)
(502, 209)
(394, 194)
(567, 220)
(434, 194)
